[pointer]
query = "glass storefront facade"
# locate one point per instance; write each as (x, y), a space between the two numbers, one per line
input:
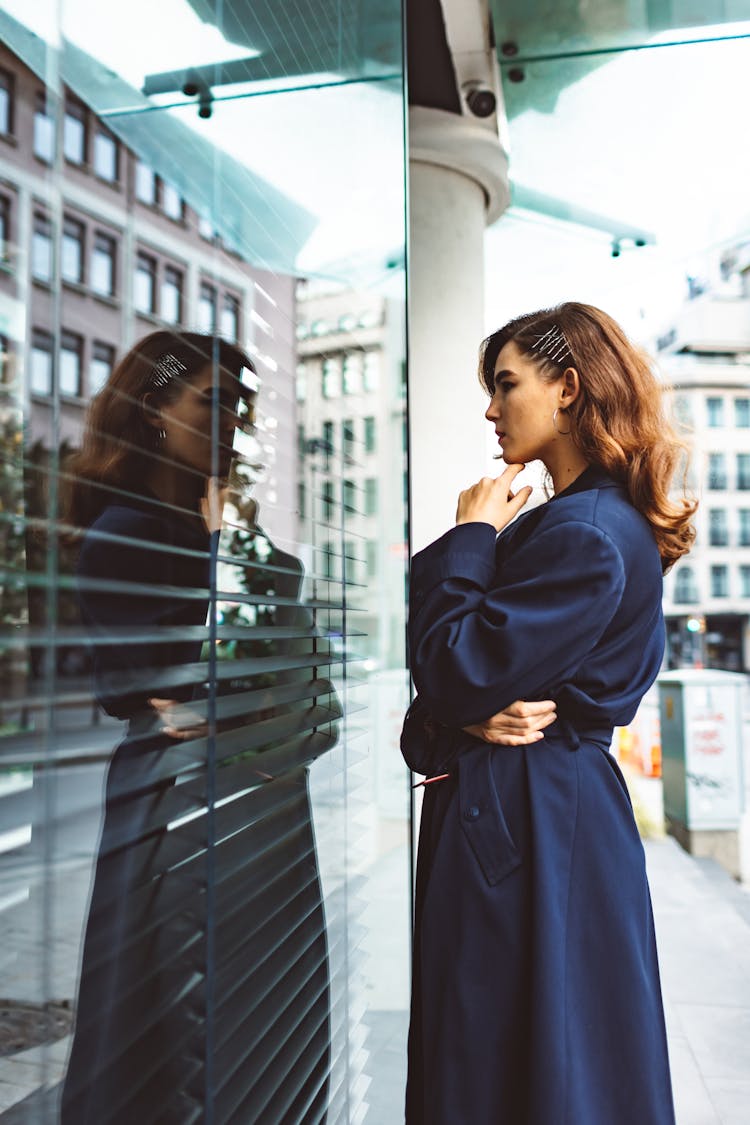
(204, 817)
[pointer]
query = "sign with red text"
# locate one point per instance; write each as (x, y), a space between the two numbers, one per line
(713, 757)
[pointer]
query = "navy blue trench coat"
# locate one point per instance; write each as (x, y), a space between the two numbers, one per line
(536, 996)
(139, 1052)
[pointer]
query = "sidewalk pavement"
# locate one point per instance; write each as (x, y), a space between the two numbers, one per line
(703, 934)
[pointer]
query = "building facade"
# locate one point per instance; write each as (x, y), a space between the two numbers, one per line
(705, 359)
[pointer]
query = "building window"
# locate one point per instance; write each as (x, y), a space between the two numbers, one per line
(719, 581)
(171, 202)
(328, 443)
(6, 102)
(745, 581)
(206, 228)
(329, 561)
(353, 373)
(4, 228)
(207, 308)
(74, 133)
(71, 264)
(331, 385)
(350, 496)
(145, 284)
(301, 384)
(171, 295)
(715, 409)
(301, 500)
(5, 366)
(328, 502)
(44, 131)
(100, 369)
(105, 157)
(347, 438)
(145, 183)
(230, 318)
(351, 562)
(71, 363)
(371, 497)
(371, 548)
(718, 535)
(685, 590)
(103, 265)
(743, 471)
(742, 413)
(41, 363)
(682, 410)
(744, 527)
(717, 471)
(372, 371)
(41, 249)
(369, 435)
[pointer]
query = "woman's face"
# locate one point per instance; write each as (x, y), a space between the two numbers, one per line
(521, 409)
(188, 422)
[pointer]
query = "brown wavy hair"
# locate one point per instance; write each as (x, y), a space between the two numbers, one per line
(618, 420)
(118, 447)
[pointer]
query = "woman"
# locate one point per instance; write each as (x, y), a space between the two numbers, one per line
(204, 969)
(536, 997)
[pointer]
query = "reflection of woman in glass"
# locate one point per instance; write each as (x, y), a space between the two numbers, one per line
(536, 986)
(188, 938)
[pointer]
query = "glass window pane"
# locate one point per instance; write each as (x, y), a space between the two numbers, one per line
(105, 157)
(230, 318)
(717, 471)
(41, 364)
(74, 137)
(145, 183)
(352, 373)
(70, 364)
(72, 252)
(144, 290)
(171, 201)
(44, 136)
(103, 265)
(207, 308)
(100, 368)
(742, 413)
(369, 435)
(715, 408)
(743, 471)
(41, 250)
(171, 296)
(719, 582)
(372, 371)
(6, 102)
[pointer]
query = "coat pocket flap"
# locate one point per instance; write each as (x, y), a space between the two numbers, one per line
(482, 819)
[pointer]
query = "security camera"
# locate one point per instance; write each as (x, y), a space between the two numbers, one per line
(480, 100)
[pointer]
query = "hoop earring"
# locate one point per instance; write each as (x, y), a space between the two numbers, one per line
(563, 433)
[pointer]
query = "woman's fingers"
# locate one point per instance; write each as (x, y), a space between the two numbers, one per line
(518, 725)
(492, 501)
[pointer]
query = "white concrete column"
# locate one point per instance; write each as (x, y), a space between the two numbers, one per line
(458, 182)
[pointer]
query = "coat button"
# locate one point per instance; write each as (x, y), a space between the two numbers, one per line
(472, 813)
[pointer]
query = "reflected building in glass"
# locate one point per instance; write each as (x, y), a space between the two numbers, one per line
(204, 819)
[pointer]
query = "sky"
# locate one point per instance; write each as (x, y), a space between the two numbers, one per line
(657, 139)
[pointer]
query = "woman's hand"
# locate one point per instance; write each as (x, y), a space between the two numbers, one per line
(178, 720)
(491, 500)
(518, 725)
(212, 504)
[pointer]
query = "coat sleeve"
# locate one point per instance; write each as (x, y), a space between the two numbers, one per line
(125, 586)
(479, 639)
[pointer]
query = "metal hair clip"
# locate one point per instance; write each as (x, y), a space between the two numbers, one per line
(552, 345)
(166, 368)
